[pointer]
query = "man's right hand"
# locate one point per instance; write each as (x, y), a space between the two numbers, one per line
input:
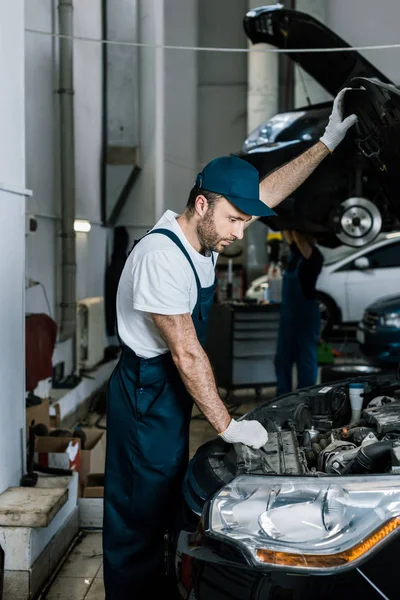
(250, 433)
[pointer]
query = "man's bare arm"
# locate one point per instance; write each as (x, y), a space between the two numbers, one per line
(303, 244)
(282, 182)
(194, 367)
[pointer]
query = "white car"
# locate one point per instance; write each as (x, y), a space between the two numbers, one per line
(351, 279)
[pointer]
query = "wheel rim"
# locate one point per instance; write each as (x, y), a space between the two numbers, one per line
(360, 222)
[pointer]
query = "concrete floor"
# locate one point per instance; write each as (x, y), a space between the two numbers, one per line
(81, 576)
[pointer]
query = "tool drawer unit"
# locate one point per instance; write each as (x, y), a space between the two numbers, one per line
(241, 344)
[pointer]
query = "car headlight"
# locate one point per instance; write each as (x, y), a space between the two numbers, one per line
(267, 132)
(391, 320)
(322, 524)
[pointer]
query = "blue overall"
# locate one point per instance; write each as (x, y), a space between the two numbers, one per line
(298, 335)
(148, 418)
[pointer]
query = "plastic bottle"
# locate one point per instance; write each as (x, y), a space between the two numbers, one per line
(275, 282)
(356, 394)
(266, 293)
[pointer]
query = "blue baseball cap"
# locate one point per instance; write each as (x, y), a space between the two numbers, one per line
(236, 180)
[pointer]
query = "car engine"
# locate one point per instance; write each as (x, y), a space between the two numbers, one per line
(311, 432)
(315, 433)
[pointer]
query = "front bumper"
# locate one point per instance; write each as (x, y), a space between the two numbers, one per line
(381, 344)
(204, 575)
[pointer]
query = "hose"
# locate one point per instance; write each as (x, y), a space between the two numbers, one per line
(373, 458)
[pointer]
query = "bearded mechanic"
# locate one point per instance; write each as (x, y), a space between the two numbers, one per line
(164, 296)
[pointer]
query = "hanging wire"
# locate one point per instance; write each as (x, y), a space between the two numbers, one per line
(213, 49)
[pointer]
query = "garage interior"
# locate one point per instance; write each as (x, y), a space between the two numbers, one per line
(109, 109)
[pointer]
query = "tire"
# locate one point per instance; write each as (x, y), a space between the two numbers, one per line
(330, 314)
(337, 372)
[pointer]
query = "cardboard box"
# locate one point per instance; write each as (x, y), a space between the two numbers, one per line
(58, 452)
(55, 416)
(94, 487)
(39, 414)
(91, 505)
(93, 457)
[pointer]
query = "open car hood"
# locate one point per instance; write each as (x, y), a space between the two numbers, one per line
(291, 29)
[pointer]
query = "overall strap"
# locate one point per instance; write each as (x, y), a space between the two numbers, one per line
(172, 236)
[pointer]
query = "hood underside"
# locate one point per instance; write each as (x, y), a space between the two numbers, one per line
(291, 30)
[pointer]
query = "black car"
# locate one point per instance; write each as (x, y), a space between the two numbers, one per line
(313, 514)
(353, 194)
(378, 333)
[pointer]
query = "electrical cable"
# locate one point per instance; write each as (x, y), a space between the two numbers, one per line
(46, 298)
(303, 82)
(372, 584)
(213, 49)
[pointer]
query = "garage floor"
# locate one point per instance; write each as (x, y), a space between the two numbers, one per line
(81, 576)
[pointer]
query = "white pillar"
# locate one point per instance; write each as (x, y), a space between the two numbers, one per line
(262, 95)
(262, 104)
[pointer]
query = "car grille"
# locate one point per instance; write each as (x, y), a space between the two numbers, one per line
(370, 319)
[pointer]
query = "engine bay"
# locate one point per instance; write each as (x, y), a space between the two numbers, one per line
(311, 432)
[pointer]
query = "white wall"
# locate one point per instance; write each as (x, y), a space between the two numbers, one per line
(12, 222)
(180, 103)
(179, 126)
(367, 23)
(222, 86)
(42, 151)
(138, 213)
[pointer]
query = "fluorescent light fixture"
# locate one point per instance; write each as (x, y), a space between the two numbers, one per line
(82, 226)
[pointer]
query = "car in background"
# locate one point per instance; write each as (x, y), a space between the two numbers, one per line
(315, 513)
(353, 193)
(379, 331)
(351, 279)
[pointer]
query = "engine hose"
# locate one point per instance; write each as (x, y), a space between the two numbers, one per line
(373, 458)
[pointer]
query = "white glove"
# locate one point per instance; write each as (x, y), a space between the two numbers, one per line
(337, 127)
(250, 433)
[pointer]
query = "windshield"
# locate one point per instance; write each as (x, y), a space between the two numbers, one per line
(333, 255)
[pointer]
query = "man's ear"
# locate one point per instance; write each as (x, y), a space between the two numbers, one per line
(201, 205)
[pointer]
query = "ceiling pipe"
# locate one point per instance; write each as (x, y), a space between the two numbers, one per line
(67, 171)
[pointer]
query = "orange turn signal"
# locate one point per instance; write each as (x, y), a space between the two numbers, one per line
(327, 561)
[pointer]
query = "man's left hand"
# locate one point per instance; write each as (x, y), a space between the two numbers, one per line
(337, 126)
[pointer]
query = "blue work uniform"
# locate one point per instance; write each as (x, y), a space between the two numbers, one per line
(148, 419)
(300, 322)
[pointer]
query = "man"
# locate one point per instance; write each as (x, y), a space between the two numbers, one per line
(300, 321)
(164, 295)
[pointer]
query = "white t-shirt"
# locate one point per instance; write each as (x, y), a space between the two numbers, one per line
(158, 278)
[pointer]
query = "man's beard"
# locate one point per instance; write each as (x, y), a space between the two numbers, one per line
(207, 232)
